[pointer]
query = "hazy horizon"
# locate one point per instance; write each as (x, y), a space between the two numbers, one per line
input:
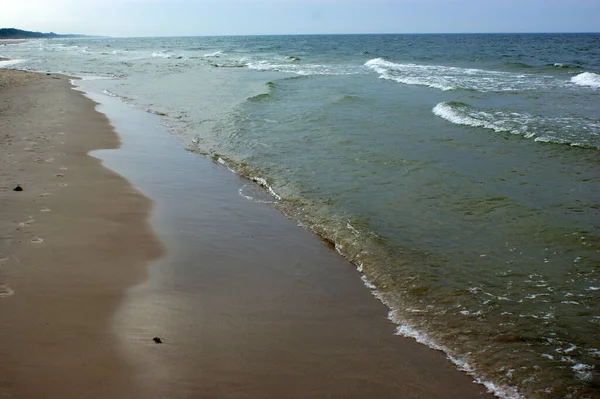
(160, 18)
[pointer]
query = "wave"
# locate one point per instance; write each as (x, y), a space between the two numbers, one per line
(517, 65)
(260, 97)
(455, 78)
(540, 68)
(228, 65)
(589, 79)
(161, 54)
(110, 93)
(574, 131)
(564, 66)
(215, 54)
(241, 169)
(295, 67)
(6, 62)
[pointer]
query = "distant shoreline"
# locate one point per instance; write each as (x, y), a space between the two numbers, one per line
(19, 34)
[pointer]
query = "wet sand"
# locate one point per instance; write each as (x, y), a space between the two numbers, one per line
(247, 304)
(70, 244)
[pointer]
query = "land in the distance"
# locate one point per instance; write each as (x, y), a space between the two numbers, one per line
(12, 33)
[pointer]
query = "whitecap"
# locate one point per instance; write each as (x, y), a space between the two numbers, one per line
(304, 69)
(160, 54)
(589, 79)
(558, 130)
(451, 78)
(215, 54)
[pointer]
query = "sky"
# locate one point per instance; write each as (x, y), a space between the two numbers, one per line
(122, 18)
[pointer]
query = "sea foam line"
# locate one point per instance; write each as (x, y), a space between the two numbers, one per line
(405, 329)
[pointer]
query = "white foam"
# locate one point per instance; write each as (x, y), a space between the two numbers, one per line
(88, 77)
(221, 161)
(589, 79)
(570, 303)
(406, 330)
(351, 228)
(109, 93)
(569, 349)
(5, 290)
(446, 111)
(215, 54)
(583, 371)
(594, 352)
(559, 130)
(241, 193)
(450, 78)
(160, 54)
(7, 63)
(367, 283)
(263, 182)
(303, 69)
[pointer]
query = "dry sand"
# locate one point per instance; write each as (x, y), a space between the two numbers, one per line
(70, 244)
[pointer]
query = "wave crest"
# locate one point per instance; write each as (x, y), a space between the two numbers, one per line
(456, 78)
(589, 79)
(574, 131)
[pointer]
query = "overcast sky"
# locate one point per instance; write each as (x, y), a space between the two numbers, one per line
(240, 17)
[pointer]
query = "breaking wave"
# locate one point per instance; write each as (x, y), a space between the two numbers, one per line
(575, 131)
(298, 68)
(454, 78)
(589, 79)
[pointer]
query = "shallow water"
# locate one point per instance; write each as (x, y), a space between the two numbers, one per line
(458, 172)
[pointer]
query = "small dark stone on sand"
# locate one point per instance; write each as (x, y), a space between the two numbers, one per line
(157, 340)
(18, 188)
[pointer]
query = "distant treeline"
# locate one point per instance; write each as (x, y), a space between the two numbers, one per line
(12, 33)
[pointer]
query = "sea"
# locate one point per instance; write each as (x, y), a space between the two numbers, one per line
(458, 172)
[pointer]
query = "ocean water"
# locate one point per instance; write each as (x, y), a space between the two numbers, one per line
(459, 173)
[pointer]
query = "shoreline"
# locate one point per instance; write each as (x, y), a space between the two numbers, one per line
(73, 241)
(269, 309)
(447, 221)
(238, 275)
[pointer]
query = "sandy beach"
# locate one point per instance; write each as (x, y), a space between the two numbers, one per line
(71, 243)
(248, 305)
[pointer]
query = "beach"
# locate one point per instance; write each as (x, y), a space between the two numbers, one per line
(72, 241)
(93, 266)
